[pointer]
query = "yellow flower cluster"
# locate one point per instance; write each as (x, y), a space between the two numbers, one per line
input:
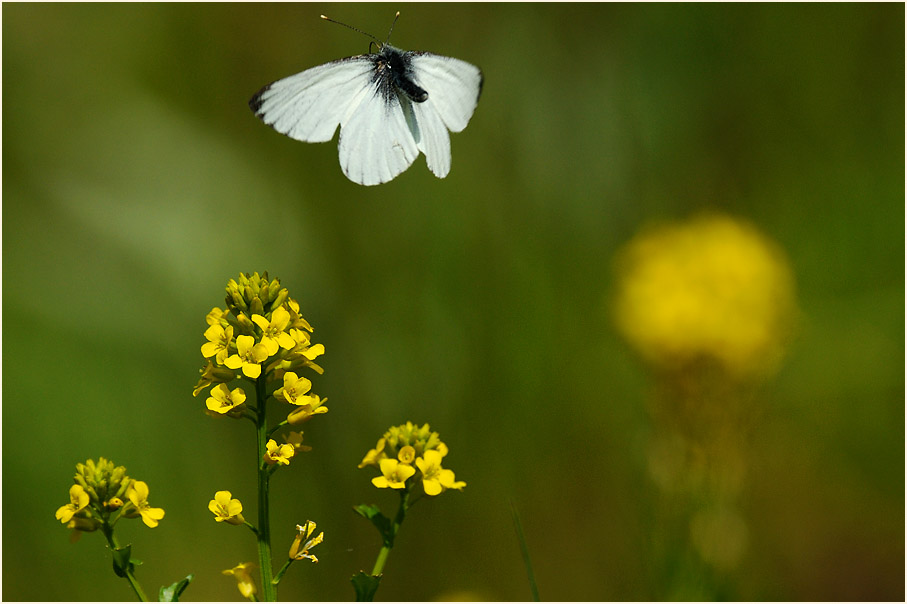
(103, 493)
(260, 335)
(407, 445)
(713, 289)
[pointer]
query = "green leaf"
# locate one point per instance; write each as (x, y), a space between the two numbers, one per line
(121, 562)
(365, 586)
(172, 593)
(524, 549)
(381, 522)
(368, 511)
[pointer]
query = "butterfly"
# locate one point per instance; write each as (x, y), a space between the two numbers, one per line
(390, 105)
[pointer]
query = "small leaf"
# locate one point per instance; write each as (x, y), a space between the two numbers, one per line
(365, 586)
(381, 522)
(121, 562)
(367, 510)
(172, 593)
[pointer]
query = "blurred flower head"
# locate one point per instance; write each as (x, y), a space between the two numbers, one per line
(711, 289)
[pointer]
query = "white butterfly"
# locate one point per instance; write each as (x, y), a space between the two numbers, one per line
(390, 105)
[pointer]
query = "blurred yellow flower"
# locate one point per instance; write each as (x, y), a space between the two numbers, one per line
(713, 288)
(295, 439)
(406, 455)
(78, 500)
(374, 456)
(244, 581)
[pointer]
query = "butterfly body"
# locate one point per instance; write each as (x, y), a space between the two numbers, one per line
(390, 105)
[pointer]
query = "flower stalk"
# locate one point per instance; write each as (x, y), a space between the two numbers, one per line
(269, 589)
(126, 569)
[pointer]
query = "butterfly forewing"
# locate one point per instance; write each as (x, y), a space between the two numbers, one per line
(310, 105)
(453, 86)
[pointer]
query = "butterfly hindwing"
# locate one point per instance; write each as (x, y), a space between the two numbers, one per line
(376, 143)
(432, 140)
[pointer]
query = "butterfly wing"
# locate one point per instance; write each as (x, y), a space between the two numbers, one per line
(310, 105)
(381, 130)
(431, 137)
(376, 140)
(453, 87)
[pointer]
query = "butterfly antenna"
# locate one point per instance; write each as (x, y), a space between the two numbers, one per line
(377, 41)
(397, 16)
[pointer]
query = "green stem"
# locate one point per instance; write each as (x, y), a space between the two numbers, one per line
(389, 538)
(280, 573)
(264, 524)
(133, 582)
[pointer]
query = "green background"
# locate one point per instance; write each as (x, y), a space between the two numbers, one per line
(136, 182)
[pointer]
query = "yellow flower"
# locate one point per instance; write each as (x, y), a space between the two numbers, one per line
(222, 400)
(226, 509)
(296, 320)
(394, 474)
(294, 389)
(218, 344)
(249, 356)
(138, 495)
(711, 289)
(78, 501)
(295, 439)
(278, 454)
(407, 455)
(300, 550)
(215, 316)
(274, 335)
(305, 412)
(436, 479)
(374, 455)
(244, 580)
(212, 374)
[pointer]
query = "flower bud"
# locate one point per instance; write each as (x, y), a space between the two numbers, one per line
(256, 307)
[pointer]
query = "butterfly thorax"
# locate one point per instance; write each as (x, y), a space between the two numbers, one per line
(394, 73)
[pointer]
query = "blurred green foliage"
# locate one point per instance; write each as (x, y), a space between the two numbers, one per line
(136, 182)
